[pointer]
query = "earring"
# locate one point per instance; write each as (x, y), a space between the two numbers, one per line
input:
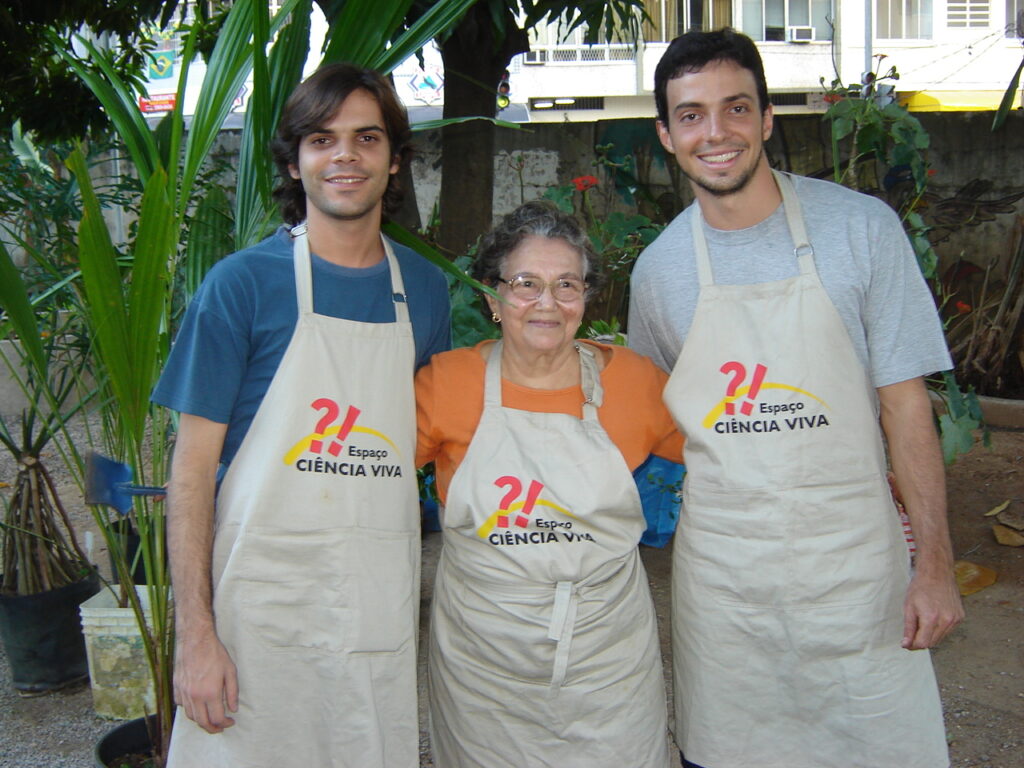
(495, 318)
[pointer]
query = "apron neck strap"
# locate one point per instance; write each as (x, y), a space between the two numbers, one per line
(794, 220)
(590, 380)
(304, 274)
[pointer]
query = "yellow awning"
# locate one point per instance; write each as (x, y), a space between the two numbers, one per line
(954, 101)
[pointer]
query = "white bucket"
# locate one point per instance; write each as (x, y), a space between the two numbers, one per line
(122, 687)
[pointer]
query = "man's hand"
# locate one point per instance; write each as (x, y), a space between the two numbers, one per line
(205, 682)
(931, 609)
(205, 679)
(932, 606)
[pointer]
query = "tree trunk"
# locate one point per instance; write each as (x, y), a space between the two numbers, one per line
(471, 54)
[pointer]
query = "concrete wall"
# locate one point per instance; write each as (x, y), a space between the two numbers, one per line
(963, 152)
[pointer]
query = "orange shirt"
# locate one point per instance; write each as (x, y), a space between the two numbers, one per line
(450, 399)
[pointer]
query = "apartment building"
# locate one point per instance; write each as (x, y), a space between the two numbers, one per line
(949, 55)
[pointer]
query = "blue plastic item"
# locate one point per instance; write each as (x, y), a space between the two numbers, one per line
(660, 483)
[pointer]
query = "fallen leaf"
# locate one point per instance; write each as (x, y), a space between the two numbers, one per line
(996, 510)
(1007, 536)
(1012, 517)
(971, 577)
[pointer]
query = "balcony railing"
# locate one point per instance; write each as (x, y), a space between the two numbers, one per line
(580, 54)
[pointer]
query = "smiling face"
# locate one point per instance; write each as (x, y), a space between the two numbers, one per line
(545, 325)
(345, 165)
(716, 129)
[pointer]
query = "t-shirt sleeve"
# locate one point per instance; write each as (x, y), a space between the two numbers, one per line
(440, 336)
(668, 441)
(641, 334)
(636, 417)
(429, 304)
(206, 366)
(427, 438)
(903, 330)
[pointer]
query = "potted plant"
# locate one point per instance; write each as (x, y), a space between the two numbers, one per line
(45, 575)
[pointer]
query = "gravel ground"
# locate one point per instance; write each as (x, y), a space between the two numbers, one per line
(53, 731)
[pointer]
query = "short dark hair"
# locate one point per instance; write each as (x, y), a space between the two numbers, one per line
(695, 50)
(310, 107)
(543, 219)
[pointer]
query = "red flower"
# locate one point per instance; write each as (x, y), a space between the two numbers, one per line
(583, 183)
(832, 98)
(932, 171)
(963, 307)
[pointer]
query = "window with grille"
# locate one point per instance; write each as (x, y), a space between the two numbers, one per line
(903, 19)
(671, 18)
(964, 14)
(768, 19)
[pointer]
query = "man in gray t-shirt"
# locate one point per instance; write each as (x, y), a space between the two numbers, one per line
(792, 315)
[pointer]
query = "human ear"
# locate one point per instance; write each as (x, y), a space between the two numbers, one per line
(664, 136)
(492, 304)
(767, 123)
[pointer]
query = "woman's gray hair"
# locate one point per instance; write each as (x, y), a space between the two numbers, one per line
(537, 217)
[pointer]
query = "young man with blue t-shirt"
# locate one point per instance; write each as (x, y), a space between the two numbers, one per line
(293, 523)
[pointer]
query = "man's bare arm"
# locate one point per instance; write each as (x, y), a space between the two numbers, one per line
(932, 607)
(205, 681)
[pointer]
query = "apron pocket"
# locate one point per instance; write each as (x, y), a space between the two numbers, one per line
(792, 547)
(334, 590)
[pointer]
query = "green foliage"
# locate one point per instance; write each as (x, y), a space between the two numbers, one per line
(469, 324)
(607, 331)
(43, 92)
(617, 237)
(602, 20)
(917, 231)
(1007, 101)
(876, 126)
(38, 543)
(962, 417)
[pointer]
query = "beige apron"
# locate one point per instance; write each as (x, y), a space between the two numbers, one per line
(543, 644)
(789, 563)
(316, 554)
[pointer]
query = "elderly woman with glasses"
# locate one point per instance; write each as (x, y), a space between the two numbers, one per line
(543, 643)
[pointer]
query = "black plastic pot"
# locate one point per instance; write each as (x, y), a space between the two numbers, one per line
(43, 636)
(129, 738)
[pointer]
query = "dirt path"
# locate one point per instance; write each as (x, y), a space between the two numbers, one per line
(980, 666)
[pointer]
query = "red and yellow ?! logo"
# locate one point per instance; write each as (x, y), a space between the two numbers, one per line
(338, 433)
(511, 511)
(736, 390)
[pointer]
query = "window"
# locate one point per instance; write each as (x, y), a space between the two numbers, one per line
(963, 14)
(768, 19)
(1015, 18)
(671, 18)
(903, 19)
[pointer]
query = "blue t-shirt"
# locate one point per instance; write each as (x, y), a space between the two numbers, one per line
(241, 319)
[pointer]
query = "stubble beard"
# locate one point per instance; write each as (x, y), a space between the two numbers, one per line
(339, 211)
(730, 187)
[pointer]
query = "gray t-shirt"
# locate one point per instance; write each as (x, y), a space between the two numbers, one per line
(863, 258)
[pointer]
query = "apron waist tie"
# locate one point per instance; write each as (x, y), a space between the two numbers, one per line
(563, 621)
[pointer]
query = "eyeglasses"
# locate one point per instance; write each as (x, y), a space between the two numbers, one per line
(531, 288)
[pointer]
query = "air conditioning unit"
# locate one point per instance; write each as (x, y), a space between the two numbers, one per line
(800, 34)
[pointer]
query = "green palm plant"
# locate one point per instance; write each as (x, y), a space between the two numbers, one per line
(40, 549)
